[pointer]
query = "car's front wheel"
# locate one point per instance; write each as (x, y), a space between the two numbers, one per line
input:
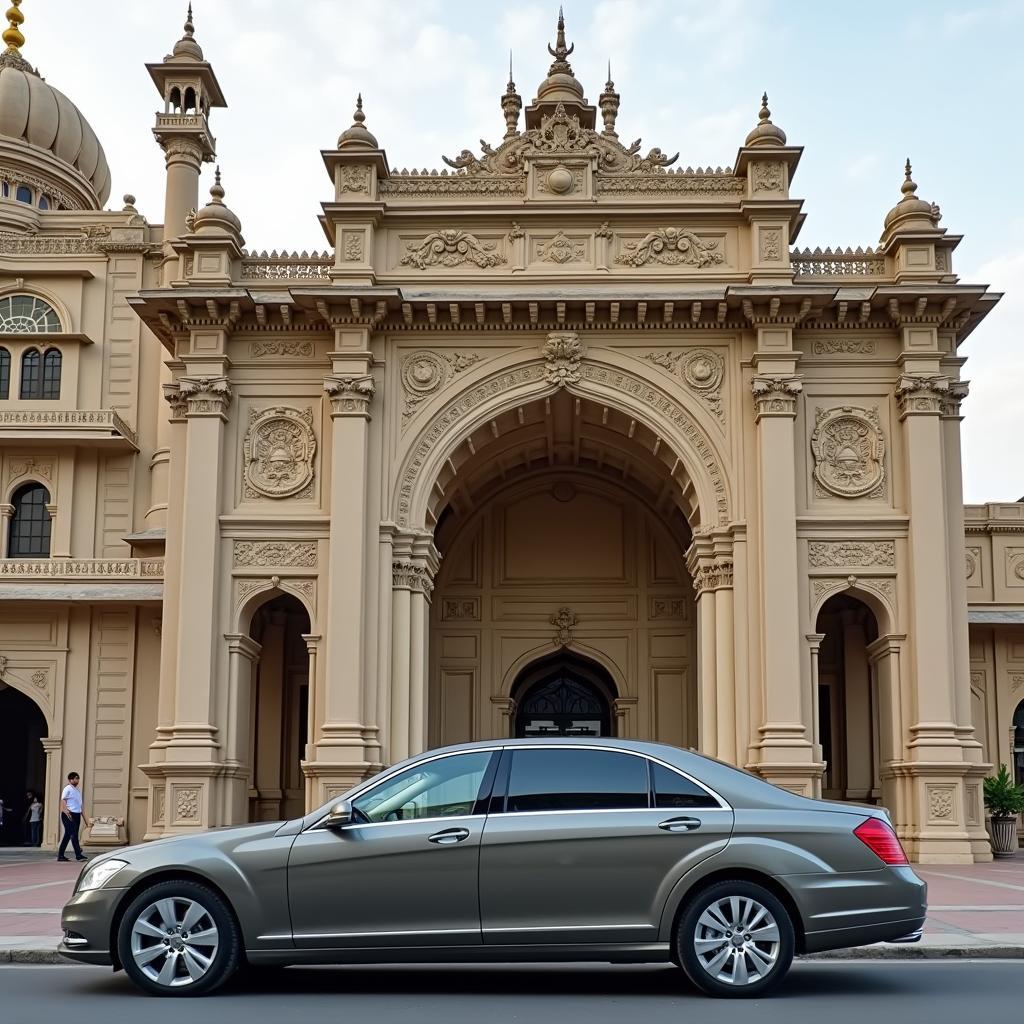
(179, 938)
(735, 939)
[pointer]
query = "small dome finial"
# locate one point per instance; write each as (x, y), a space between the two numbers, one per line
(909, 186)
(765, 133)
(190, 28)
(359, 117)
(358, 134)
(764, 114)
(217, 189)
(12, 35)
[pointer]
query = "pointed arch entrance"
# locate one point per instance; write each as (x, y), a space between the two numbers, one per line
(564, 695)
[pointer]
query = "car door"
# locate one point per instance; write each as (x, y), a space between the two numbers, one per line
(576, 848)
(405, 871)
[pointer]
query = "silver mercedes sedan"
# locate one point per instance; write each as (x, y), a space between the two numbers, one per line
(515, 850)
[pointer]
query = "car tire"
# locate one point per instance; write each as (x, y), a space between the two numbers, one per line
(722, 959)
(179, 938)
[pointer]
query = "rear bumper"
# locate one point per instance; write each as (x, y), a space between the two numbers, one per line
(864, 935)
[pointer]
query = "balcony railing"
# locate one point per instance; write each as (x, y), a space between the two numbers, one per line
(81, 569)
(100, 425)
(837, 262)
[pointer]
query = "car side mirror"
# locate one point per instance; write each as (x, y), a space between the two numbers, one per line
(339, 815)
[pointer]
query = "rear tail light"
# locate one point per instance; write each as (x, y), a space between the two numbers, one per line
(879, 837)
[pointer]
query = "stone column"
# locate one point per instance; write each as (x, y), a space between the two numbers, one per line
(312, 641)
(340, 752)
(6, 514)
(269, 715)
(939, 833)
(243, 656)
(814, 646)
(857, 708)
(414, 565)
(786, 747)
(894, 709)
(184, 158)
(52, 746)
(60, 533)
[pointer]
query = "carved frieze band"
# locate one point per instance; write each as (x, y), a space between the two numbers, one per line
(701, 370)
(452, 248)
(848, 447)
(671, 247)
(851, 554)
(275, 554)
(427, 372)
(278, 452)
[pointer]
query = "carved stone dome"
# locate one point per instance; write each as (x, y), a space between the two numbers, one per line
(911, 211)
(46, 144)
(216, 218)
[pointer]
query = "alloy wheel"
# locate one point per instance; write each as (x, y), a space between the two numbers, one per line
(737, 940)
(174, 941)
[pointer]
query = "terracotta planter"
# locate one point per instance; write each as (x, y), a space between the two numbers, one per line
(1004, 836)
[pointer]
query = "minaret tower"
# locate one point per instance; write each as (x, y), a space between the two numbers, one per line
(190, 91)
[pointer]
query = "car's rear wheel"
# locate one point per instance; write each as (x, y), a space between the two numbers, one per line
(179, 938)
(735, 939)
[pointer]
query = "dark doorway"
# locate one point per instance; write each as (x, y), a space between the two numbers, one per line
(564, 696)
(22, 762)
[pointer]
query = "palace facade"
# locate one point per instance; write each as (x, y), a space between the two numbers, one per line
(562, 439)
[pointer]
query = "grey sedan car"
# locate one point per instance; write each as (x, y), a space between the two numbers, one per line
(517, 850)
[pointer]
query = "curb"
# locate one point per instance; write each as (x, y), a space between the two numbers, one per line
(964, 952)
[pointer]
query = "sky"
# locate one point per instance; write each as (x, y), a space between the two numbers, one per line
(861, 86)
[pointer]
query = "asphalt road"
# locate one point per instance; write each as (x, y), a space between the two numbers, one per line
(911, 992)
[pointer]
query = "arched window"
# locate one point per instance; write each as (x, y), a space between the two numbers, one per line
(1018, 743)
(5, 373)
(25, 314)
(51, 375)
(24, 194)
(29, 535)
(31, 375)
(176, 99)
(190, 100)
(44, 202)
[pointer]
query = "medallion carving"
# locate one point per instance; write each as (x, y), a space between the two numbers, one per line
(278, 453)
(560, 180)
(849, 452)
(562, 249)
(701, 370)
(452, 248)
(425, 373)
(671, 247)
(277, 554)
(851, 554)
(563, 354)
(971, 562)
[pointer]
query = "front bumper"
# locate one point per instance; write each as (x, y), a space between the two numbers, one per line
(87, 920)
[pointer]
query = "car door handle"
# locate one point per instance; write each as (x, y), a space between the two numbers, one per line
(449, 836)
(680, 824)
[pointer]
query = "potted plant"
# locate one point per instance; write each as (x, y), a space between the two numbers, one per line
(1005, 800)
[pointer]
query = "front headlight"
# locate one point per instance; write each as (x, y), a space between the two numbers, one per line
(97, 875)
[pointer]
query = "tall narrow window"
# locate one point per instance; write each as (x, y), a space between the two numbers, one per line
(24, 194)
(31, 375)
(51, 375)
(30, 524)
(5, 373)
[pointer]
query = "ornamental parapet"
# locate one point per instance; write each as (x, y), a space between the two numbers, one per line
(97, 426)
(81, 568)
(837, 262)
(294, 266)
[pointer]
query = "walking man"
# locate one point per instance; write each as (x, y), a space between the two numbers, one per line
(71, 815)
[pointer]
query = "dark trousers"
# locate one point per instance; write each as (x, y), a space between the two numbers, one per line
(35, 831)
(71, 821)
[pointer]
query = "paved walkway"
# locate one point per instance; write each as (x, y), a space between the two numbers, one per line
(973, 910)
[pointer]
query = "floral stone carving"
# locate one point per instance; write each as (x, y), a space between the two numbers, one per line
(452, 248)
(701, 369)
(425, 373)
(563, 354)
(671, 247)
(562, 249)
(278, 450)
(849, 452)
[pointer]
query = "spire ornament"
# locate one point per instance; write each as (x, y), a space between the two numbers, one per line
(766, 133)
(609, 103)
(13, 36)
(358, 134)
(187, 46)
(561, 65)
(911, 210)
(511, 104)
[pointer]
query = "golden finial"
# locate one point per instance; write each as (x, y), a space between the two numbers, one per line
(12, 34)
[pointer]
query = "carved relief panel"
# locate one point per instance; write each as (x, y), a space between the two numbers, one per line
(278, 452)
(848, 451)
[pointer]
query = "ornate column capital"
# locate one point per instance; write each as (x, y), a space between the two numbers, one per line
(412, 574)
(958, 390)
(563, 352)
(775, 395)
(713, 575)
(922, 394)
(186, 149)
(205, 396)
(350, 395)
(177, 401)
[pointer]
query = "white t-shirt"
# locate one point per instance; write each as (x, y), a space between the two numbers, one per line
(35, 810)
(72, 795)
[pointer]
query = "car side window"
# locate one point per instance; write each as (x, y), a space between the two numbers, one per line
(673, 790)
(442, 788)
(567, 779)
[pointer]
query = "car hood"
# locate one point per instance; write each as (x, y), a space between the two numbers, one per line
(213, 836)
